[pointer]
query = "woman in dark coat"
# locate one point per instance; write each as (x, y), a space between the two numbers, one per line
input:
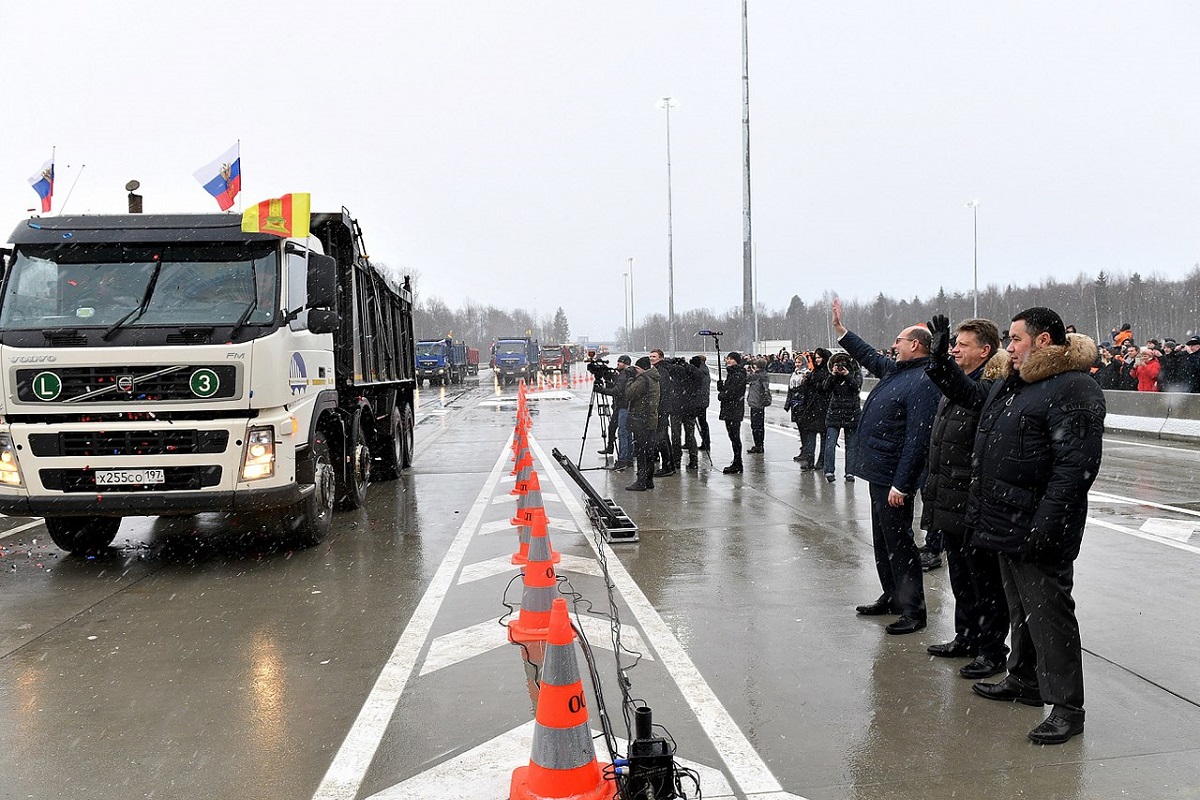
(809, 411)
(845, 407)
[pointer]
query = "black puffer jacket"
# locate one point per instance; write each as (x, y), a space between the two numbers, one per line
(732, 395)
(1037, 451)
(812, 401)
(845, 401)
(947, 487)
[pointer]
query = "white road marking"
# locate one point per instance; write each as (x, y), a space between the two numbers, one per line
(1103, 496)
(457, 646)
(744, 763)
(345, 774)
(503, 564)
(1112, 526)
(1178, 529)
(486, 771)
(20, 528)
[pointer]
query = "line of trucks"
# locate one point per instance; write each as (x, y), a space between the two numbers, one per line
(445, 361)
(173, 364)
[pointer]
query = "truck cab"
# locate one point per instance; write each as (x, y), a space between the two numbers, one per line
(166, 364)
(516, 358)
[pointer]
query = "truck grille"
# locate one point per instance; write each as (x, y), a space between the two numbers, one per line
(84, 481)
(127, 443)
(115, 384)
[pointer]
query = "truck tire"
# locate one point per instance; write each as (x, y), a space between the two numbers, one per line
(407, 438)
(391, 449)
(311, 519)
(356, 475)
(83, 535)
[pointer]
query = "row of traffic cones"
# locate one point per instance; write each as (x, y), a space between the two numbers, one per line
(563, 763)
(561, 380)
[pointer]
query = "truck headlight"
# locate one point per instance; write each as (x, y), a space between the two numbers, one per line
(258, 459)
(10, 471)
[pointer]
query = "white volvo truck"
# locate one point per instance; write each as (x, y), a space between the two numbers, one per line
(172, 364)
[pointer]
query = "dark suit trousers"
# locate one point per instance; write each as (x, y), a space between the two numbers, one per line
(897, 559)
(1046, 651)
(980, 607)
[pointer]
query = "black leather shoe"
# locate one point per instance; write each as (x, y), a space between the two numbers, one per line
(799, 458)
(905, 625)
(930, 560)
(982, 667)
(954, 649)
(1009, 690)
(755, 449)
(733, 469)
(692, 465)
(665, 473)
(829, 477)
(636, 487)
(876, 609)
(1056, 729)
(606, 452)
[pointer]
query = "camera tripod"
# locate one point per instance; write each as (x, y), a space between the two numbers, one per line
(602, 405)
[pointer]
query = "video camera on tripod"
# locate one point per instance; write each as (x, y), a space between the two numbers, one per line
(601, 370)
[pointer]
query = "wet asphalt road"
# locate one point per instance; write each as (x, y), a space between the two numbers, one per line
(202, 658)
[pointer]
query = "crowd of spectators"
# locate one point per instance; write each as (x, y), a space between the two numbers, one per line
(1156, 365)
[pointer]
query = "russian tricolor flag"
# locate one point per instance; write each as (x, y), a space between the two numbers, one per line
(43, 184)
(223, 177)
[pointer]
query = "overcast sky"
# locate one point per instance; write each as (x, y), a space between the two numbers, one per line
(512, 152)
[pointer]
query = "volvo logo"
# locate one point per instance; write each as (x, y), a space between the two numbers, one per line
(31, 359)
(125, 383)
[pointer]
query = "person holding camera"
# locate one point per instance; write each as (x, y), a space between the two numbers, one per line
(701, 396)
(731, 393)
(845, 406)
(614, 385)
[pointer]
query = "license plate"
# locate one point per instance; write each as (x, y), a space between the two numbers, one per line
(129, 477)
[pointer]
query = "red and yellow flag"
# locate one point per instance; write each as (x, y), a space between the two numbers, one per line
(286, 216)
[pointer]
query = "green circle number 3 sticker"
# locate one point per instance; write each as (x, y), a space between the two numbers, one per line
(46, 386)
(204, 383)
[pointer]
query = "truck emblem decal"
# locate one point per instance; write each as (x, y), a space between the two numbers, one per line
(125, 383)
(31, 359)
(298, 377)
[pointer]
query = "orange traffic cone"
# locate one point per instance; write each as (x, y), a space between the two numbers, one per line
(532, 524)
(563, 764)
(540, 588)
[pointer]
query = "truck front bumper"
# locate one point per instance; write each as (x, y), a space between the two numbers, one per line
(134, 504)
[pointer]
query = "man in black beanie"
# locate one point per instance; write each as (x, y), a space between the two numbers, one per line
(731, 393)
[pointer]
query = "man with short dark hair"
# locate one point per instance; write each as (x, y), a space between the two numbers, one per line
(967, 370)
(670, 425)
(618, 427)
(890, 451)
(1037, 451)
(643, 395)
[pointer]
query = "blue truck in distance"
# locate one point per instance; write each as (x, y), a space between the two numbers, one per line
(441, 361)
(516, 357)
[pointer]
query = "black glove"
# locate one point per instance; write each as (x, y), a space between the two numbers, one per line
(720, 386)
(939, 328)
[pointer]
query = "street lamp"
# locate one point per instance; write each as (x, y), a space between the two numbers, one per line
(668, 103)
(632, 311)
(628, 333)
(974, 206)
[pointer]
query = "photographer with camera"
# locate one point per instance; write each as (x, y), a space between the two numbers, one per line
(670, 409)
(731, 393)
(614, 383)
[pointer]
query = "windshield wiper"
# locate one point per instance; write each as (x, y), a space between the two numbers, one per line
(142, 306)
(241, 321)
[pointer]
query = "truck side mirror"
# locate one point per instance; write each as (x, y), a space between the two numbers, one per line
(321, 320)
(322, 283)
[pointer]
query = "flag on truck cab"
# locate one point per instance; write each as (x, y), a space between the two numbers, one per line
(223, 177)
(43, 184)
(285, 216)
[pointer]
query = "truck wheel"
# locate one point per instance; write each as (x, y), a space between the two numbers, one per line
(407, 439)
(352, 488)
(391, 449)
(312, 518)
(83, 535)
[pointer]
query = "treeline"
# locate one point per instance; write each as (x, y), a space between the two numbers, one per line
(1154, 306)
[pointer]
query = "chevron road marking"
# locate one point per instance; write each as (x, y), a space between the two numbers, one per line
(486, 772)
(502, 564)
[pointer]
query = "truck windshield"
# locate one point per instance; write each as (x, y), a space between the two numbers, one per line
(90, 285)
(429, 349)
(510, 349)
